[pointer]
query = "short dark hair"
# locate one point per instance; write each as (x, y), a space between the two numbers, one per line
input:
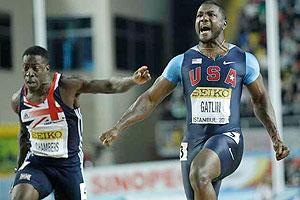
(212, 2)
(37, 51)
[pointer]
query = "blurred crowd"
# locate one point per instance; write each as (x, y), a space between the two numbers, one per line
(252, 38)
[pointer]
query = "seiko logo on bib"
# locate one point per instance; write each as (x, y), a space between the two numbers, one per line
(207, 92)
(47, 135)
(211, 105)
(49, 142)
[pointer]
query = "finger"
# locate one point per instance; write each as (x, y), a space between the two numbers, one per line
(143, 68)
(278, 157)
(139, 74)
(106, 140)
(109, 140)
(107, 143)
(275, 146)
(280, 149)
(145, 74)
(284, 154)
(103, 137)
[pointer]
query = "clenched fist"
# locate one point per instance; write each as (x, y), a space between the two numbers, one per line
(281, 149)
(141, 75)
(108, 136)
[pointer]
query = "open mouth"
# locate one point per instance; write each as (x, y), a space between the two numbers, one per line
(205, 29)
(31, 83)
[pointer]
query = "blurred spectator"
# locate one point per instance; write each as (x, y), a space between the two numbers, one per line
(174, 108)
(253, 39)
(292, 171)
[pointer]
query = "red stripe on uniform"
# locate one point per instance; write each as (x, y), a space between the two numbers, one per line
(39, 122)
(52, 109)
(51, 101)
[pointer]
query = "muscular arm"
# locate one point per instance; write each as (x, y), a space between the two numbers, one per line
(23, 138)
(263, 108)
(141, 108)
(264, 111)
(113, 85)
(146, 103)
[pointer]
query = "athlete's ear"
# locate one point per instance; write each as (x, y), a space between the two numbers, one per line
(48, 67)
(225, 24)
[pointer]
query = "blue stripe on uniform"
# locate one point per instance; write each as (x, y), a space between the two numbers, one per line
(252, 69)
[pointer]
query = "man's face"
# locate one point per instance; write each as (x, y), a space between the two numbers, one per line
(209, 22)
(35, 70)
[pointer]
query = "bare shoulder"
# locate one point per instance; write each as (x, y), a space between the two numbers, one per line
(74, 82)
(161, 83)
(15, 99)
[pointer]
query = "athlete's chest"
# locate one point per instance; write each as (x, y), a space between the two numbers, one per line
(227, 71)
(45, 113)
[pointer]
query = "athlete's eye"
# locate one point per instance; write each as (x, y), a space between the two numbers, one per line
(212, 14)
(35, 68)
(25, 67)
(199, 15)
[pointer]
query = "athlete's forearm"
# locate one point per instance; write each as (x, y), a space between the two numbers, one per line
(121, 84)
(264, 111)
(113, 85)
(108, 86)
(141, 109)
(138, 111)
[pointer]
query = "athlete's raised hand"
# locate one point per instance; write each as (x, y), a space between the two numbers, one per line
(109, 136)
(141, 75)
(281, 149)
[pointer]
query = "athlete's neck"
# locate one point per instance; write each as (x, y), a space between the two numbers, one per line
(214, 48)
(211, 44)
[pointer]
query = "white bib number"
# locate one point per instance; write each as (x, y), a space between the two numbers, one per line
(183, 151)
(210, 105)
(50, 141)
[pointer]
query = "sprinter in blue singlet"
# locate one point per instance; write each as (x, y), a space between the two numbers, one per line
(213, 74)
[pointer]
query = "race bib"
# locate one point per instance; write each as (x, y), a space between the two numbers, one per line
(183, 151)
(51, 143)
(211, 105)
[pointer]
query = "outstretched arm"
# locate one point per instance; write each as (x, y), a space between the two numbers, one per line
(108, 86)
(140, 109)
(264, 111)
(23, 139)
